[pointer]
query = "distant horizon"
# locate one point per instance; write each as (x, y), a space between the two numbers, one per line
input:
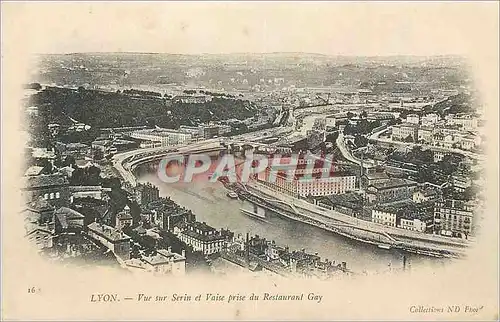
(305, 53)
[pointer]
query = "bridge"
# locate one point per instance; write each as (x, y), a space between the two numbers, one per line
(126, 162)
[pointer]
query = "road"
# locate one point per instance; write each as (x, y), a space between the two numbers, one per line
(348, 155)
(404, 237)
(376, 137)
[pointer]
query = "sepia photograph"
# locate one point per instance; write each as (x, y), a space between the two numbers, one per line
(250, 160)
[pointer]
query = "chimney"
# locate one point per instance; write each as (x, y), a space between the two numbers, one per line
(183, 253)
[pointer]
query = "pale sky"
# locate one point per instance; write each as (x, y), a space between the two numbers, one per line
(337, 28)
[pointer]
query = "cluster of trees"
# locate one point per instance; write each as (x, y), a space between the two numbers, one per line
(217, 109)
(470, 193)
(362, 127)
(140, 92)
(427, 169)
(102, 109)
(460, 103)
(360, 141)
(89, 176)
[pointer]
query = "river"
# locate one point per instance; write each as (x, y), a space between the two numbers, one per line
(209, 203)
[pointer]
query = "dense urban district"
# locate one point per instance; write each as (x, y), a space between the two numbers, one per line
(404, 134)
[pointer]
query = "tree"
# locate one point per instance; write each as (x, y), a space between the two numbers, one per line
(69, 161)
(363, 115)
(93, 176)
(360, 141)
(350, 115)
(97, 154)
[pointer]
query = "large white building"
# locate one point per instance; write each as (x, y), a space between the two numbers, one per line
(203, 238)
(413, 119)
(402, 131)
(385, 216)
(430, 119)
(454, 217)
(334, 184)
(166, 262)
(467, 122)
(164, 136)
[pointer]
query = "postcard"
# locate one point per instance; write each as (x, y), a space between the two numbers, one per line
(250, 161)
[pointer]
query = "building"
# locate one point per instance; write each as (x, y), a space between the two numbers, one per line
(115, 240)
(370, 178)
(335, 183)
(393, 190)
(41, 238)
(349, 203)
(416, 217)
(43, 154)
(68, 219)
(404, 131)
(209, 131)
(166, 137)
(146, 193)
(166, 262)
(123, 219)
(330, 121)
(424, 194)
(425, 134)
(203, 237)
(224, 129)
(430, 119)
(467, 122)
(194, 130)
(460, 182)
(95, 192)
(76, 150)
(407, 216)
(439, 155)
(192, 99)
(413, 119)
(385, 215)
(35, 170)
(470, 142)
(40, 210)
(414, 224)
(52, 187)
(454, 218)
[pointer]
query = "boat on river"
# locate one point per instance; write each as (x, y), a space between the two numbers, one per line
(257, 212)
(232, 195)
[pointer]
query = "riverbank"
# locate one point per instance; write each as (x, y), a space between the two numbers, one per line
(356, 232)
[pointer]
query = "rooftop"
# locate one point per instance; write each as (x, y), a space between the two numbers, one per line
(39, 205)
(376, 175)
(393, 183)
(124, 215)
(194, 234)
(33, 171)
(162, 256)
(108, 232)
(70, 213)
(45, 180)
